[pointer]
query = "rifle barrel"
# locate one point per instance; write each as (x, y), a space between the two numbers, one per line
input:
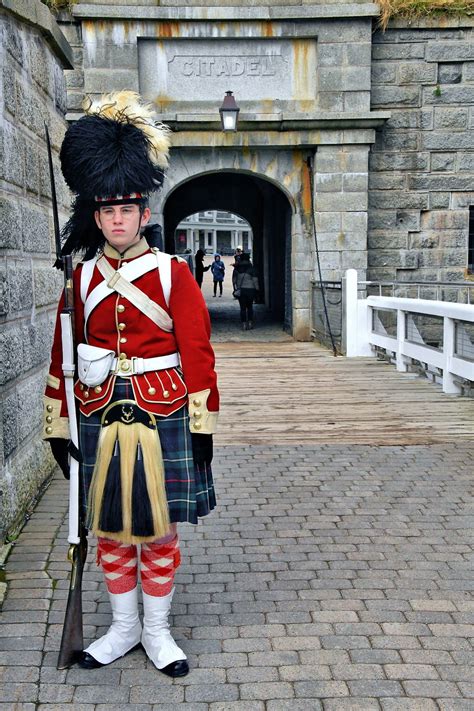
(57, 232)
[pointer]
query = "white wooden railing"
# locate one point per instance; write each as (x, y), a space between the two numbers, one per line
(452, 353)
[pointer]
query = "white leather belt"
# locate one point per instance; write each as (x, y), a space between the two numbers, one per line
(137, 366)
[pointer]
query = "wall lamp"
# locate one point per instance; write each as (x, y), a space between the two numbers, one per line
(229, 112)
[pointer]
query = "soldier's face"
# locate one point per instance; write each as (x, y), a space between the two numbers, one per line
(120, 224)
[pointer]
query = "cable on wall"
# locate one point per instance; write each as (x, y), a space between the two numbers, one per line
(309, 163)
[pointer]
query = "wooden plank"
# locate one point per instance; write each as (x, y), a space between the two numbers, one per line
(290, 393)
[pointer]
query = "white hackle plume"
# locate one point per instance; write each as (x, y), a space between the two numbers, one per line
(129, 106)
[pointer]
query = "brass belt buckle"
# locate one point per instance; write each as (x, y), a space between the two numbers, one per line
(124, 367)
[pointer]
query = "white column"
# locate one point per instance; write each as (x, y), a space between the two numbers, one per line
(189, 239)
(214, 241)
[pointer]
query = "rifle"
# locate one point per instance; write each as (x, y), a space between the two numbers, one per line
(72, 640)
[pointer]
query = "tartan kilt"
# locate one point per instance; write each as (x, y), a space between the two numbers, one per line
(189, 488)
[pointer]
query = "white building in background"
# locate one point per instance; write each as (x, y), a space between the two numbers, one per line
(213, 231)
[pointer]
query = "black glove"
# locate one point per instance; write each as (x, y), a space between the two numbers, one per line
(59, 449)
(202, 448)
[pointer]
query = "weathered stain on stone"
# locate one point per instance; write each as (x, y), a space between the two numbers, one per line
(267, 106)
(162, 102)
(306, 105)
(306, 202)
(341, 240)
(268, 29)
(168, 29)
(304, 60)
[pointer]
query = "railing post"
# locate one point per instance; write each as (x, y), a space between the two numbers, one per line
(350, 311)
(356, 313)
(449, 385)
(402, 361)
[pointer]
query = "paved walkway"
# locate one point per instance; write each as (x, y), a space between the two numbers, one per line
(331, 577)
(335, 578)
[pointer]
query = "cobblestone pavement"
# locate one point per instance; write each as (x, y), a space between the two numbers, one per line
(329, 578)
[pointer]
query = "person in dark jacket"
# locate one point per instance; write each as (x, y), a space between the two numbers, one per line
(218, 273)
(245, 285)
(199, 266)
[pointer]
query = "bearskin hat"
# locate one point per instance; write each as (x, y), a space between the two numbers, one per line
(115, 153)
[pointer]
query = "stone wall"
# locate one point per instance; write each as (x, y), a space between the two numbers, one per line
(421, 176)
(33, 55)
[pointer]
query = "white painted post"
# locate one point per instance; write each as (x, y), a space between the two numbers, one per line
(350, 310)
(449, 386)
(402, 362)
(364, 329)
(357, 318)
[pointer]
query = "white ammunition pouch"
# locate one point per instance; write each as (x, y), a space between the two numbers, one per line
(93, 364)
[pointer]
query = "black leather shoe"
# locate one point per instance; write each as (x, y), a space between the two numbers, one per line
(87, 661)
(179, 668)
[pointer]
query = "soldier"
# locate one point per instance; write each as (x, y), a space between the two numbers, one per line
(146, 388)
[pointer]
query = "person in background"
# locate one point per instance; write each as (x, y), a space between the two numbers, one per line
(199, 266)
(245, 285)
(188, 258)
(237, 255)
(218, 273)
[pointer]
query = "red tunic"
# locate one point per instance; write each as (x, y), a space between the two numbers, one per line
(116, 324)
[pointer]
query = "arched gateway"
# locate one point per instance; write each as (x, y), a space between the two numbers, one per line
(265, 206)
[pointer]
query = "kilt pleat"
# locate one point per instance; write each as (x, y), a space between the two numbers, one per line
(189, 487)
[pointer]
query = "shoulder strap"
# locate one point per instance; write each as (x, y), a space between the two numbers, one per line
(86, 276)
(131, 271)
(119, 281)
(163, 262)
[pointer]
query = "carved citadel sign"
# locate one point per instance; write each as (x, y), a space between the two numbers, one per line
(228, 66)
(253, 69)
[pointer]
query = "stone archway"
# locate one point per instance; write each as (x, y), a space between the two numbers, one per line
(264, 206)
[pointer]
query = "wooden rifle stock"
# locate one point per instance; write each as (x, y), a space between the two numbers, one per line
(72, 640)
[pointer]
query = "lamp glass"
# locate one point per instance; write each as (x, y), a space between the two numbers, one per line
(229, 118)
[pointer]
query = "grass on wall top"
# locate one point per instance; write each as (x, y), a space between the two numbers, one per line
(408, 9)
(414, 9)
(56, 5)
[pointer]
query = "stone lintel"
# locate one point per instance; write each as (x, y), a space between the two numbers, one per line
(268, 12)
(271, 139)
(279, 121)
(35, 13)
(285, 126)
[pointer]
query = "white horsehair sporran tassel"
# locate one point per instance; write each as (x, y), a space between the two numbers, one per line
(127, 497)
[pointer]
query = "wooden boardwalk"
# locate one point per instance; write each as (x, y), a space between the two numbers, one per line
(298, 393)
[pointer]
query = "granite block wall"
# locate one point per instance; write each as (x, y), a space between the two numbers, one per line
(421, 168)
(32, 91)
